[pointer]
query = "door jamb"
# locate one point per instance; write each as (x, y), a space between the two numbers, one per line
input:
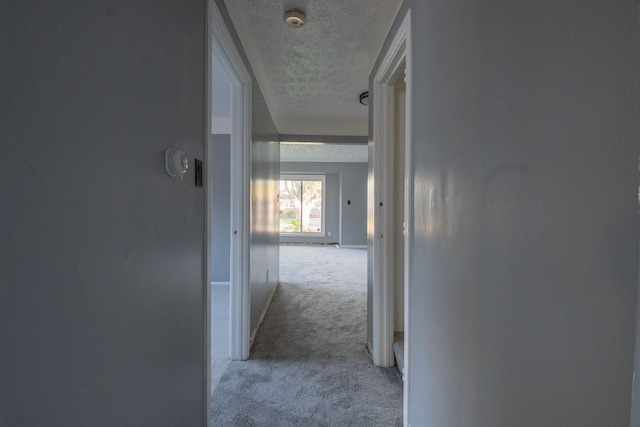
(221, 44)
(397, 55)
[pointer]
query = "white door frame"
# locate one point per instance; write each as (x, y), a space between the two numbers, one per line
(221, 44)
(397, 58)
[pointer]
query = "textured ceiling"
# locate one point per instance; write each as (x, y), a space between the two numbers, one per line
(311, 77)
(333, 153)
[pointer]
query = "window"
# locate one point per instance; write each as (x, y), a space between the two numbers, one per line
(302, 204)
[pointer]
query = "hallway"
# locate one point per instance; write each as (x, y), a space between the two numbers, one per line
(309, 364)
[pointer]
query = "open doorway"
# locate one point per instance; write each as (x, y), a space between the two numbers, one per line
(399, 89)
(219, 161)
(391, 208)
(228, 177)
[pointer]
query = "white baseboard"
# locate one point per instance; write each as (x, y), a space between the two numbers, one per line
(354, 246)
(264, 313)
(220, 284)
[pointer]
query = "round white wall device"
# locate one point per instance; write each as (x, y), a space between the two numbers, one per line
(176, 162)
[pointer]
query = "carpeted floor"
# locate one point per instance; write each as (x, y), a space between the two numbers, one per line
(309, 364)
(219, 331)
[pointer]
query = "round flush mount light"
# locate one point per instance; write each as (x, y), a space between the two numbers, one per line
(295, 18)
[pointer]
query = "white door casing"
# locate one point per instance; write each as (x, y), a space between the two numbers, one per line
(397, 59)
(221, 45)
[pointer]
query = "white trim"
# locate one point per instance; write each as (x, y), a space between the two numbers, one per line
(224, 46)
(408, 219)
(264, 313)
(397, 55)
(221, 126)
(220, 283)
(353, 246)
(207, 223)
(370, 349)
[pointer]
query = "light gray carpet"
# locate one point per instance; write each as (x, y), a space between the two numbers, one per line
(309, 364)
(219, 331)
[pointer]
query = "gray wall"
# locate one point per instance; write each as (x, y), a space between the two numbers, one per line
(265, 182)
(525, 251)
(354, 215)
(101, 284)
(345, 182)
(220, 158)
(635, 394)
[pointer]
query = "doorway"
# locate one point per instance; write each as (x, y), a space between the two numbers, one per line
(391, 206)
(398, 213)
(227, 220)
(219, 160)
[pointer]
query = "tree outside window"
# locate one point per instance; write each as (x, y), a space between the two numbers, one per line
(301, 204)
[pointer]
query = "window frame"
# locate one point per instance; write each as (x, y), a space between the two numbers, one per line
(308, 177)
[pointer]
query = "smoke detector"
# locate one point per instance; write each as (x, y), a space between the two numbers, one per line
(295, 18)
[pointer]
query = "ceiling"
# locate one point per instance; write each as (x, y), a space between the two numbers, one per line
(311, 77)
(331, 152)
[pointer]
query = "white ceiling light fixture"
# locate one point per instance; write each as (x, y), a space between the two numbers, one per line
(295, 18)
